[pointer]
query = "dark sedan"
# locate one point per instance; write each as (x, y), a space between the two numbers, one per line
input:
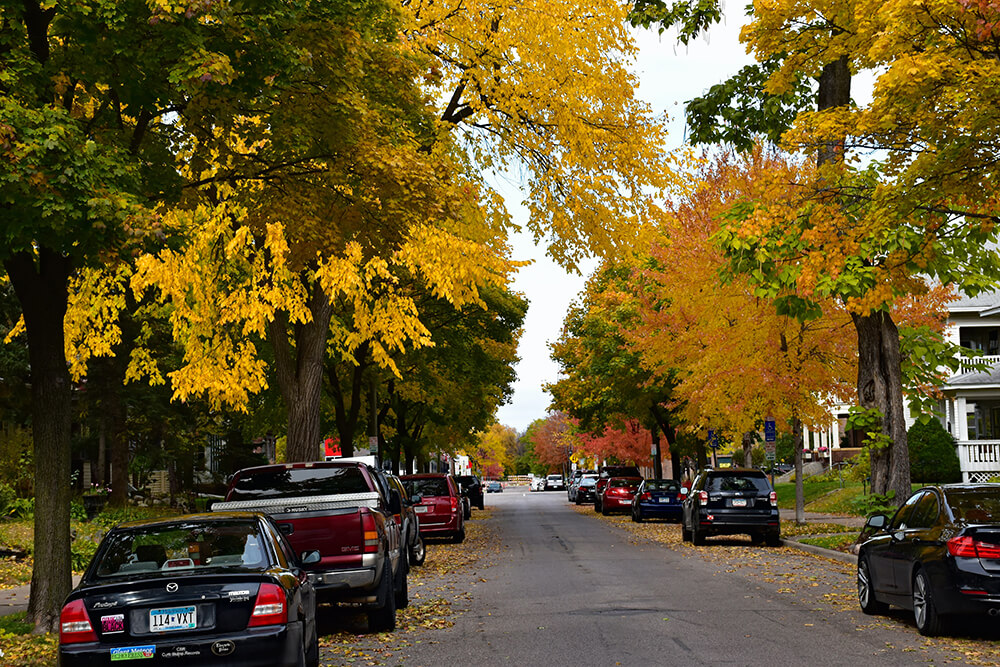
(585, 491)
(939, 555)
(202, 589)
(657, 499)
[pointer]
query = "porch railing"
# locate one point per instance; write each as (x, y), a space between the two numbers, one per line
(965, 364)
(979, 459)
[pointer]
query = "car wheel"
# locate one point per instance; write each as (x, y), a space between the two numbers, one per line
(636, 517)
(383, 618)
(604, 510)
(924, 612)
(772, 540)
(459, 536)
(418, 551)
(685, 533)
(866, 590)
(697, 537)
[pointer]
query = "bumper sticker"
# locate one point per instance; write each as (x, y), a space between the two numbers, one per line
(113, 624)
(133, 653)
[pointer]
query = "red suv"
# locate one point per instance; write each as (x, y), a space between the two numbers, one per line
(440, 506)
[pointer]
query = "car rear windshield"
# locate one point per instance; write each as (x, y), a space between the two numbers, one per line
(626, 483)
(298, 482)
(428, 486)
(668, 485)
(182, 547)
(737, 482)
(975, 505)
(588, 481)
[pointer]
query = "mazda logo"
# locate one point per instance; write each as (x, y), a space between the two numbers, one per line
(171, 587)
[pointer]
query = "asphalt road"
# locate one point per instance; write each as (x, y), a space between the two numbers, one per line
(572, 588)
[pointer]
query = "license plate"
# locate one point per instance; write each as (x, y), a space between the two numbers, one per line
(421, 509)
(739, 502)
(666, 500)
(175, 618)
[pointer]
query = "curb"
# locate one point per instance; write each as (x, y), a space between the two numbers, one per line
(832, 554)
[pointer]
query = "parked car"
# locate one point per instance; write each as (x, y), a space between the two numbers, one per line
(345, 510)
(494, 487)
(618, 493)
(585, 491)
(657, 499)
(440, 506)
(555, 483)
(571, 492)
(604, 473)
(537, 484)
(939, 555)
(472, 490)
(728, 502)
(196, 589)
(409, 522)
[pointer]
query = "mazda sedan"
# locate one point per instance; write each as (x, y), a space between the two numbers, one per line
(202, 589)
(617, 495)
(939, 555)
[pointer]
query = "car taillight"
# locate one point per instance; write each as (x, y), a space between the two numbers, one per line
(270, 608)
(74, 624)
(967, 547)
(703, 496)
(645, 496)
(774, 498)
(370, 532)
(454, 504)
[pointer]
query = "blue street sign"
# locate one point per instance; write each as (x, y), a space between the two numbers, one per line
(770, 434)
(713, 441)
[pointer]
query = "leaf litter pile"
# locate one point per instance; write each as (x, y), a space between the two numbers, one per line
(439, 590)
(831, 588)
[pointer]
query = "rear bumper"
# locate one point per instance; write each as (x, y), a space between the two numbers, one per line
(659, 511)
(431, 525)
(267, 646)
(729, 522)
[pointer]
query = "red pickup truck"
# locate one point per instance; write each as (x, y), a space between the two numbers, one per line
(345, 510)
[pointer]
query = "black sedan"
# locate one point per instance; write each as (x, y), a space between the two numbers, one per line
(202, 589)
(939, 555)
(585, 491)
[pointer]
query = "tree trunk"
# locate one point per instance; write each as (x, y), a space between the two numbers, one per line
(748, 440)
(347, 415)
(657, 463)
(41, 289)
(880, 387)
(800, 502)
(300, 377)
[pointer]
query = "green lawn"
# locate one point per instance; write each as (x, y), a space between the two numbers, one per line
(813, 492)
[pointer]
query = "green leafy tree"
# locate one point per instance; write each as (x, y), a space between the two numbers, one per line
(933, 453)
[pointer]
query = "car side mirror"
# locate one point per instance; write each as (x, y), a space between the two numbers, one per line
(876, 522)
(310, 557)
(415, 499)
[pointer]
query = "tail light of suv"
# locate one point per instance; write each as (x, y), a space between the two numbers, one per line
(703, 496)
(774, 499)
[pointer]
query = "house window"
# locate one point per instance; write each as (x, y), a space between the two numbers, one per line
(984, 421)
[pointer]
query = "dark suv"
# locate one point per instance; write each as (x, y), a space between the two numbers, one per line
(472, 488)
(729, 502)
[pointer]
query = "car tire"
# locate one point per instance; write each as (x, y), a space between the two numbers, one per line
(866, 590)
(697, 537)
(418, 551)
(685, 533)
(383, 618)
(459, 536)
(604, 510)
(929, 622)
(772, 540)
(467, 512)
(636, 517)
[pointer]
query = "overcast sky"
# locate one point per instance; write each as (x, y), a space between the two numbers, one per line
(670, 76)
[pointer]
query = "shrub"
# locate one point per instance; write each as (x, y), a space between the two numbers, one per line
(7, 496)
(81, 551)
(20, 508)
(933, 457)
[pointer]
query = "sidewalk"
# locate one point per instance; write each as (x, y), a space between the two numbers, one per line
(816, 517)
(13, 600)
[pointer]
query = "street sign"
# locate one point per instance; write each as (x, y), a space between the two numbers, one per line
(713, 441)
(770, 432)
